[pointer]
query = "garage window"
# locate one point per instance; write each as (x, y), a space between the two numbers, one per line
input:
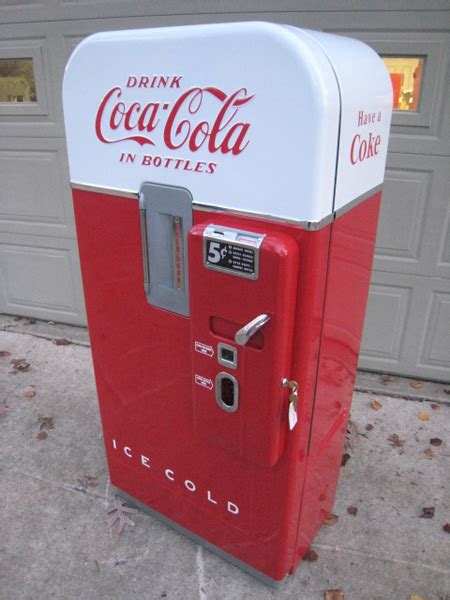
(17, 82)
(406, 76)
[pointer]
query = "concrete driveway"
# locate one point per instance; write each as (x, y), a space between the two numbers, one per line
(55, 493)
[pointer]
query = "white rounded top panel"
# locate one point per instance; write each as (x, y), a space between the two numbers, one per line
(255, 117)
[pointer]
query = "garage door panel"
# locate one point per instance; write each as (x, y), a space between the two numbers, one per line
(435, 350)
(443, 266)
(31, 107)
(400, 231)
(407, 327)
(35, 197)
(413, 217)
(408, 306)
(385, 322)
(41, 278)
(44, 10)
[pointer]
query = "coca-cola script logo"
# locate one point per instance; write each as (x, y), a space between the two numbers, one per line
(200, 118)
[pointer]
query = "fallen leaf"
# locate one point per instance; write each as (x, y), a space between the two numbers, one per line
(30, 322)
(429, 453)
(61, 342)
(87, 481)
(416, 597)
(447, 391)
(30, 393)
(334, 595)
(331, 519)
(352, 510)
(351, 436)
(345, 458)
(435, 407)
(311, 555)
(427, 512)
(4, 409)
(4, 353)
(46, 423)
(423, 416)
(446, 528)
(119, 519)
(396, 441)
(376, 405)
(369, 427)
(387, 378)
(20, 364)
(416, 384)
(42, 435)
(436, 442)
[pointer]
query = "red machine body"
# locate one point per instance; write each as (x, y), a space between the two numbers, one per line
(244, 483)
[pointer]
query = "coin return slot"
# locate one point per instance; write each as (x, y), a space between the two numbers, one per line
(227, 392)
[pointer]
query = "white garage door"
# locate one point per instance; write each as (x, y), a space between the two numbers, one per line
(408, 321)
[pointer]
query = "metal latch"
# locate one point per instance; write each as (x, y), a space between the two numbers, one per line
(245, 333)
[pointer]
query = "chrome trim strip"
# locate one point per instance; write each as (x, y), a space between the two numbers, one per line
(273, 583)
(104, 190)
(258, 215)
(144, 245)
(308, 225)
(341, 211)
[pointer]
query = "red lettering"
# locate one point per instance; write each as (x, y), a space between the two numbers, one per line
(184, 125)
(175, 81)
(352, 149)
(199, 166)
(362, 149)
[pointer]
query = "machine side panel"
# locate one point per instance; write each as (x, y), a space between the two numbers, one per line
(349, 269)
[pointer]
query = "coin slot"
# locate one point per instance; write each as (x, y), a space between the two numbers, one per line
(227, 355)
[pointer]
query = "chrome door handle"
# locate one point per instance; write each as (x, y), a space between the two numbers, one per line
(245, 333)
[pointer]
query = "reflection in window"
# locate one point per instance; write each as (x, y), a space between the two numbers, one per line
(17, 80)
(406, 76)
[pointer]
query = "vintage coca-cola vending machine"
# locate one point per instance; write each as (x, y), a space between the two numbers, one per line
(226, 182)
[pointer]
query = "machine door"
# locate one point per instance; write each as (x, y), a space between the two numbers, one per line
(243, 286)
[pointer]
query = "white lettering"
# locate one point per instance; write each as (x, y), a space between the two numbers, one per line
(145, 461)
(190, 485)
(210, 499)
(232, 508)
(170, 475)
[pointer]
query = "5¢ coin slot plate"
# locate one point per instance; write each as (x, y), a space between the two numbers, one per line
(232, 251)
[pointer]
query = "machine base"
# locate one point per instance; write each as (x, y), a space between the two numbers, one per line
(273, 583)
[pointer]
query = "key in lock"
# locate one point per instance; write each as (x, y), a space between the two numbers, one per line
(293, 401)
